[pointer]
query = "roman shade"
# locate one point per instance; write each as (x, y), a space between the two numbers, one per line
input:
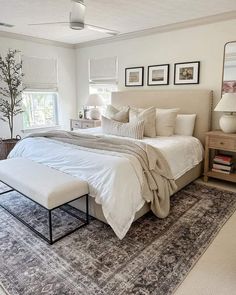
(39, 73)
(103, 71)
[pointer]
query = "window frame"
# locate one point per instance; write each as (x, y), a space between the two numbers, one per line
(56, 113)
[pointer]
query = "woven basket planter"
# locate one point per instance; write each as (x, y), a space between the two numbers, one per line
(6, 145)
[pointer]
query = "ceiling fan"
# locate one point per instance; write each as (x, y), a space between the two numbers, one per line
(76, 20)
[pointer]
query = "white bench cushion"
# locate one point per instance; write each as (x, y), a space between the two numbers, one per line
(46, 186)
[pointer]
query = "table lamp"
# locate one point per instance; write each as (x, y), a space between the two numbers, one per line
(227, 104)
(95, 101)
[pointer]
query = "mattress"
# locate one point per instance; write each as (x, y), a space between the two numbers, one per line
(114, 181)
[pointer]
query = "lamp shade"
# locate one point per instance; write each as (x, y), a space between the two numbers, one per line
(95, 100)
(227, 103)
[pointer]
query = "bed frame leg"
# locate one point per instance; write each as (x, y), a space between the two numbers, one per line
(87, 209)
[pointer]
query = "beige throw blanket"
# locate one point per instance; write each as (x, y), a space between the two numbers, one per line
(156, 171)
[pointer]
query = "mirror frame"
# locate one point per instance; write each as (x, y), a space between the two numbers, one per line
(223, 71)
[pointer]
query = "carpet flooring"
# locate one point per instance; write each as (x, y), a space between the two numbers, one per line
(154, 257)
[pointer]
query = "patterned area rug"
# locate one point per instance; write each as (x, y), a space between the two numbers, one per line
(153, 258)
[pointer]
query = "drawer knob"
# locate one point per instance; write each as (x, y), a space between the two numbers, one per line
(221, 143)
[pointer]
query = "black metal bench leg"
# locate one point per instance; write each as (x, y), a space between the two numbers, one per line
(50, 226)
(6, 192)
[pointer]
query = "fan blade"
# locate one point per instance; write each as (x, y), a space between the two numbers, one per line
(101, 29)
(6, 25)
(45, 24)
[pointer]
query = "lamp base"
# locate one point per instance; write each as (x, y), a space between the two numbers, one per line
(94, 114)
(228, 123)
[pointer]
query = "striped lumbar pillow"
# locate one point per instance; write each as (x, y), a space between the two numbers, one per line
(149, 118)
(133, 130)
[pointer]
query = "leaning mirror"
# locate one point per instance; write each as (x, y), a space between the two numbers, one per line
(229, 69)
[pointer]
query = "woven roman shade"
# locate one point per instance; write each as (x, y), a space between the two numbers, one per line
(40, 73)
(103, 71)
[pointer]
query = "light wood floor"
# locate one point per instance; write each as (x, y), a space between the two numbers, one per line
(215, 271)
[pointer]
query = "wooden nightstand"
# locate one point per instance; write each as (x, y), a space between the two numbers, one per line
(83, 124)
(218, 141)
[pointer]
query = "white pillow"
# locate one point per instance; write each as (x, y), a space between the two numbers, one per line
(133, 130)
(165, 121)
(185, 124)
(149, 118)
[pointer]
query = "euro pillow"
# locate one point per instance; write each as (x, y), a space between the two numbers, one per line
(133, 129)
(185, 124)
(149, 118)
(120, 115)
(165, 121)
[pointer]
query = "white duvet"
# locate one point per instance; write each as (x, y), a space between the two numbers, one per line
(114, 181)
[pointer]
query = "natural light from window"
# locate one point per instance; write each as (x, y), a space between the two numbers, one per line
(40, 109)
(104, 90)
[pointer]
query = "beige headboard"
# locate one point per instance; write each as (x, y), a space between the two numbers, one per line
(189, 101)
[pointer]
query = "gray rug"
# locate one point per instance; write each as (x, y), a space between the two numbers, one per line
(153, 258)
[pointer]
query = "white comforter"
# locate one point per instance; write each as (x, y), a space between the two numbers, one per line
(114, 181)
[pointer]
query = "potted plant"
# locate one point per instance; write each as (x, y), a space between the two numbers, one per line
(11, 89)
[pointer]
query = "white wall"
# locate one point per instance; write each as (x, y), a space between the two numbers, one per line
(204, 43)
(66, 78)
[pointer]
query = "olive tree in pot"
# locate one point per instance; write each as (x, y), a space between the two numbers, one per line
(10, 97)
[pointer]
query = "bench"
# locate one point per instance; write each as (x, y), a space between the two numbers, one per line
(46, 186)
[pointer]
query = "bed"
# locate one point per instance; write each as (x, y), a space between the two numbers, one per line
(52, 153)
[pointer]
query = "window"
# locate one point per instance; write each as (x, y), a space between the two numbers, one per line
(103, 77)
(103, 90)
(40, 109)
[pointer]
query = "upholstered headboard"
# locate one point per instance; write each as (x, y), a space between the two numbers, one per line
(189, 101)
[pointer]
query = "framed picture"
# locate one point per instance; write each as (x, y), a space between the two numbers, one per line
(134, 76)
(187, 73)
(158, 75)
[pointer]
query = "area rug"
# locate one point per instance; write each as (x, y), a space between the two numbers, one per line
(154, 257)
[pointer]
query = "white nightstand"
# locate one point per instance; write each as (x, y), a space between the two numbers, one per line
(83, 124)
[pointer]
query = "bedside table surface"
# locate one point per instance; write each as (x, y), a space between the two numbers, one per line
(221, 134)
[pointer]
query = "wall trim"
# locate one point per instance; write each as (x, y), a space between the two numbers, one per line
(162, 29)
(36, 40)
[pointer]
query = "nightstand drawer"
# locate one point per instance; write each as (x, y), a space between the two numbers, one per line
(75, 124)
(87, 125)
(222, 143)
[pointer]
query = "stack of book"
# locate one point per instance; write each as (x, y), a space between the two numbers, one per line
(223, 164)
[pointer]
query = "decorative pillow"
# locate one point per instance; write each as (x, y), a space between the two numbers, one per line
(185, 124)
(121, 115)
(165, 121)
(149, 118)
(133, 130)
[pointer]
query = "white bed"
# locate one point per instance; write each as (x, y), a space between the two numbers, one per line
(115, 181)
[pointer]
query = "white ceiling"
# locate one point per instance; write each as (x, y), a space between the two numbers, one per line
(123, 15)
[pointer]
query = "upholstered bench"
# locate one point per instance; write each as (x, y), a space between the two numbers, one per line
(45, 186)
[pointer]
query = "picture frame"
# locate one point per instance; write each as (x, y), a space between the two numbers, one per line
(158, 75)
(187, 73)
(134, 76)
